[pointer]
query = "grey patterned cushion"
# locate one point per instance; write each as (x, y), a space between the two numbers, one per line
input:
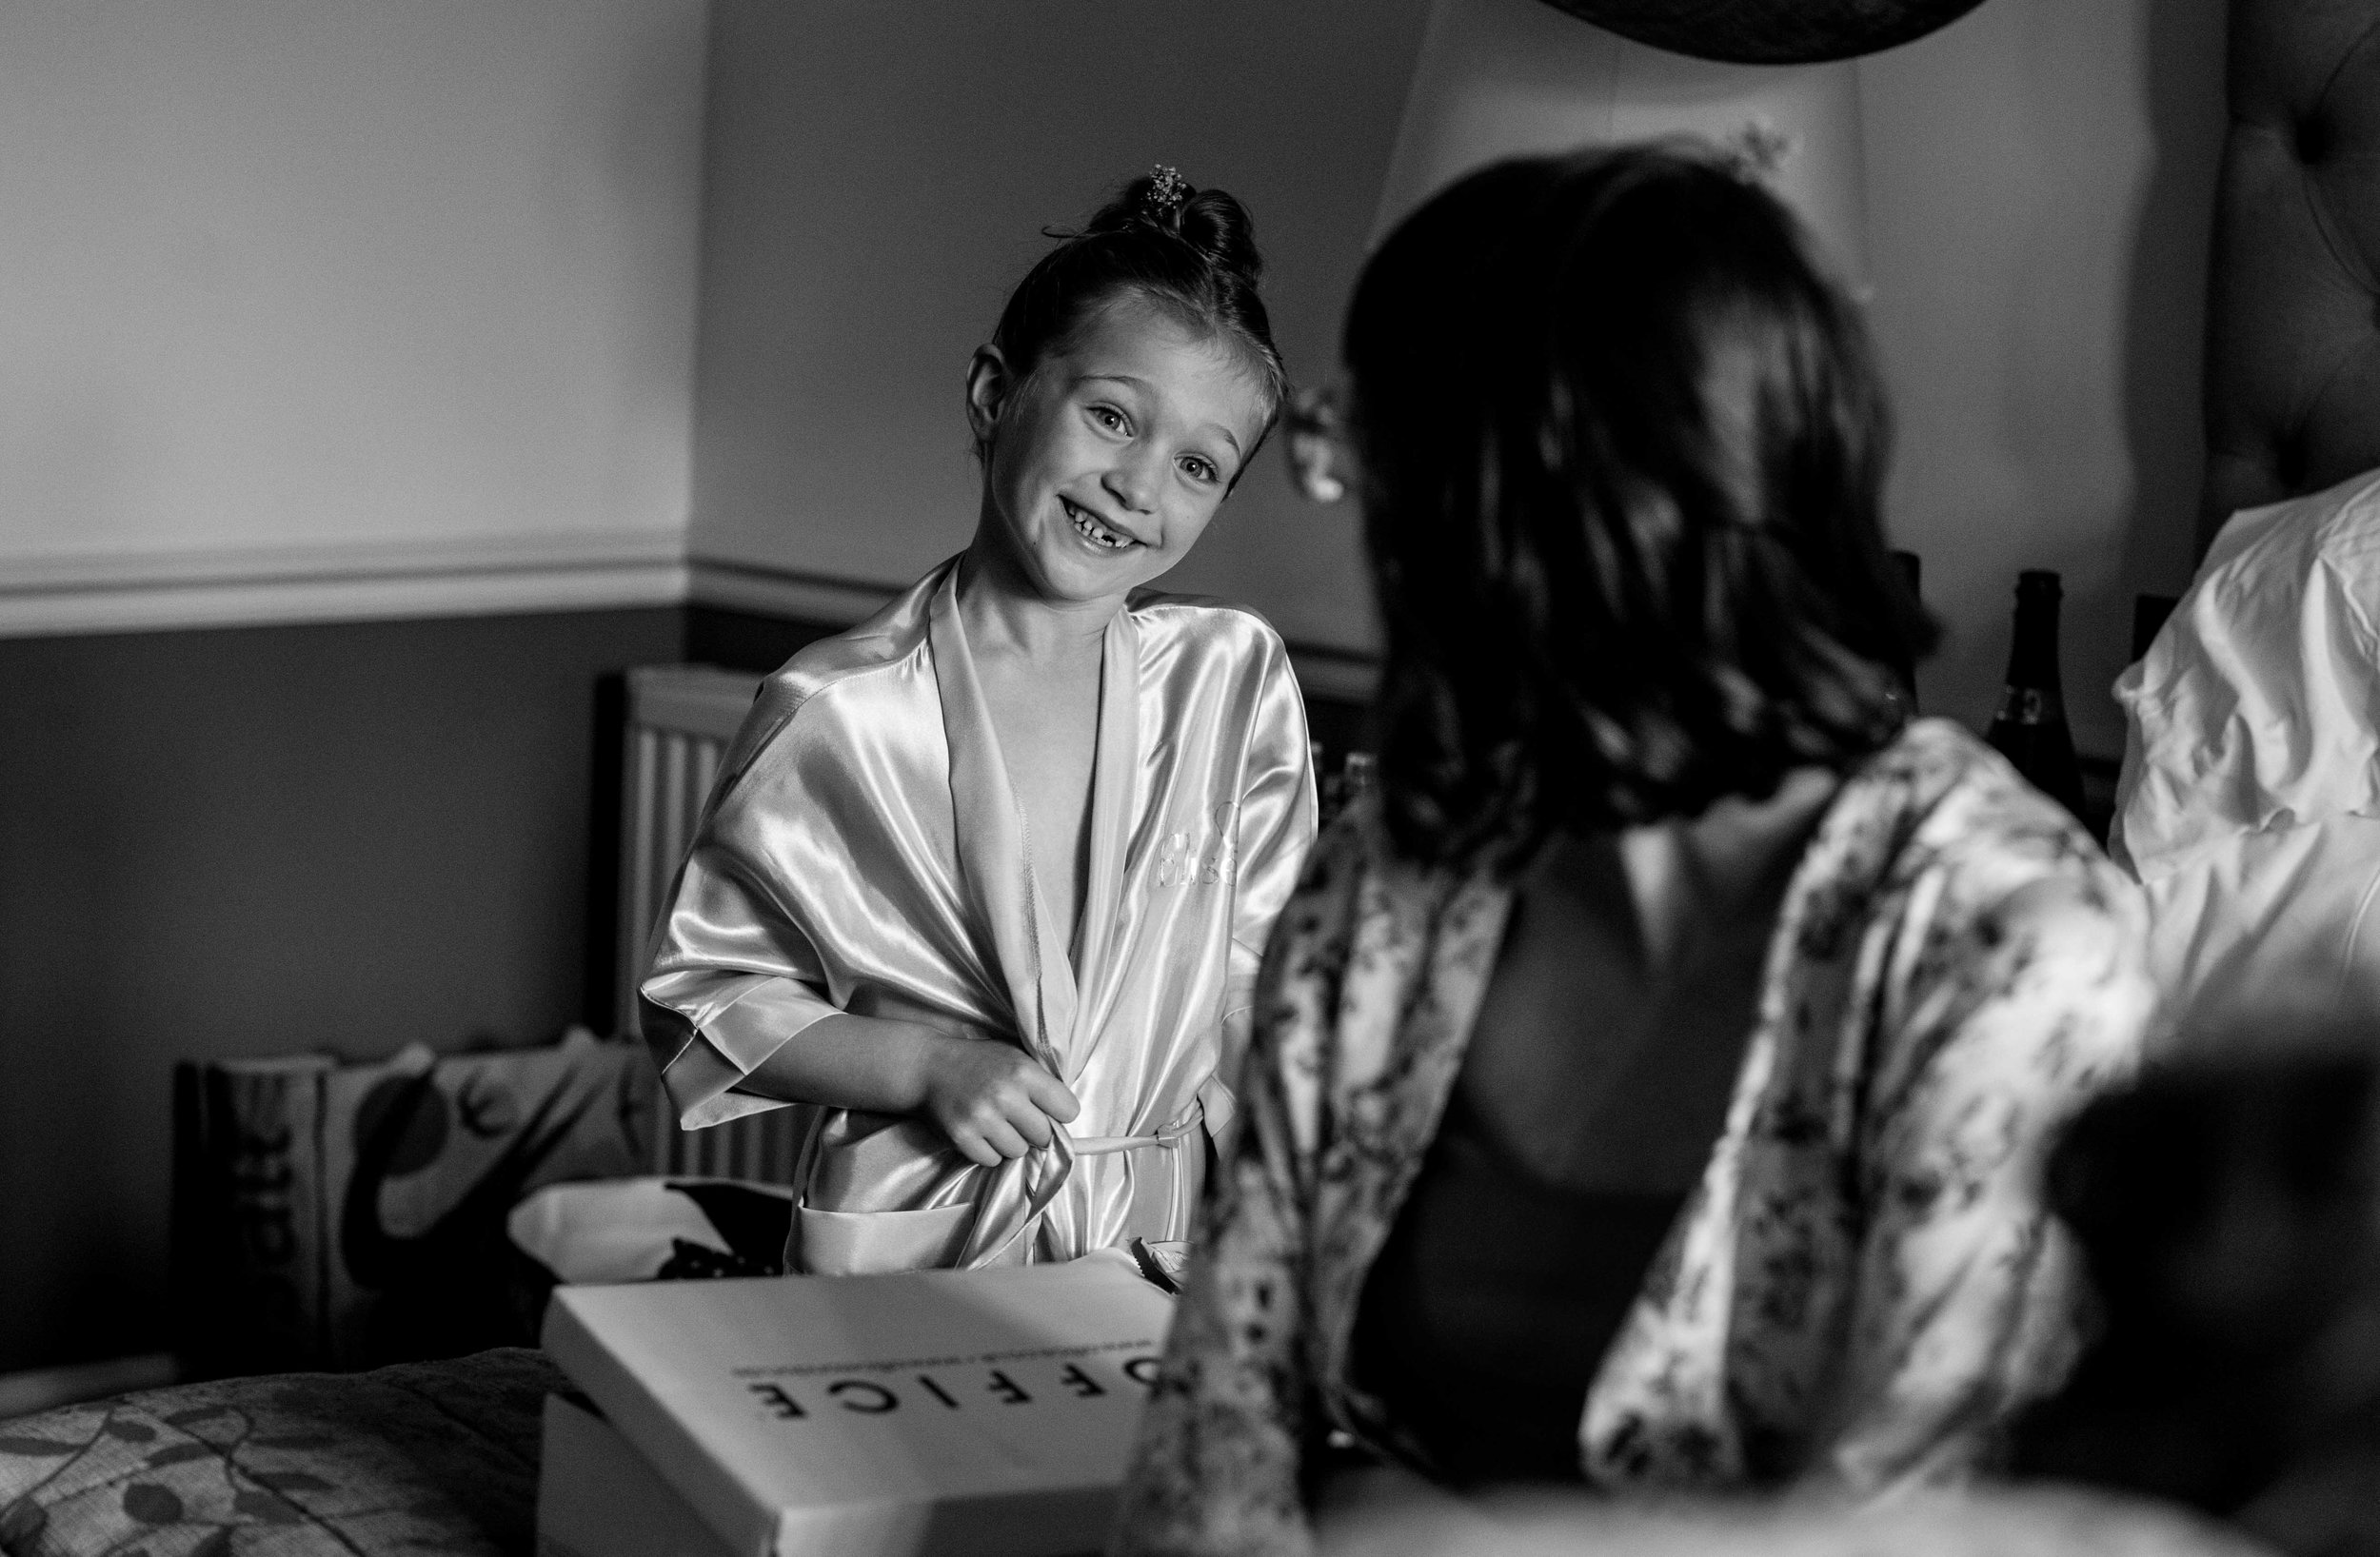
(424, 1457)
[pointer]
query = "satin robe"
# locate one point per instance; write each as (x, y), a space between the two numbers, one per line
(862, 852)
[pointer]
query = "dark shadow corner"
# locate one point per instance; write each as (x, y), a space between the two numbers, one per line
(2164, 305)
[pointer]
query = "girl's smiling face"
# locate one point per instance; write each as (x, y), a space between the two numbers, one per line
(1103, 466)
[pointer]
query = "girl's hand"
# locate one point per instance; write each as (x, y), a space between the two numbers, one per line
(991, 1099)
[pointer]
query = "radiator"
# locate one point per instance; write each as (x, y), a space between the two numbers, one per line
(680, 721)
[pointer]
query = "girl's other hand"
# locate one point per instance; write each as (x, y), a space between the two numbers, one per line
(992, 1099)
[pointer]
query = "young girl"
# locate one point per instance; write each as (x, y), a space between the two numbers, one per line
(986, 878)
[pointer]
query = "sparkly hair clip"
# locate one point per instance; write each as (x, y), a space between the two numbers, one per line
(1167, 190)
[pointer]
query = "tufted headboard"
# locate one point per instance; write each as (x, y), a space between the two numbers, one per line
(2293, 388)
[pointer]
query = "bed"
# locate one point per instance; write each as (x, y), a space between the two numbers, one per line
(2250, 800)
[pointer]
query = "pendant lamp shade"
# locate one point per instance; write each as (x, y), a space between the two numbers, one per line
(1770, 31)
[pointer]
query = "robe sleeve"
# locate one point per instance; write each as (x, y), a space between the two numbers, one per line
(730, 981)
(730, 976)
(1966, 1291)
(1218, 1463)
(1276, 825)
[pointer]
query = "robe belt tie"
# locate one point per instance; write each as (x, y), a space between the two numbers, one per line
(1210, 1110)
(1170, 1137)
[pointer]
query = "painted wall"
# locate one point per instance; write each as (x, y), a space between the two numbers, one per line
(2040, 184)
(2038, 178)
(1517, 78)
(290, 282)
(878, 177)
(265, 841)
(326, 272)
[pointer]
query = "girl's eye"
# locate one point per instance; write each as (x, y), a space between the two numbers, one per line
(1199, 470)
(1108, 417)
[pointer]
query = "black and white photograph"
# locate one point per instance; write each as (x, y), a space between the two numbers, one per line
(1190, 779)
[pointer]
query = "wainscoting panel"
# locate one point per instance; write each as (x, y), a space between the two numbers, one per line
(259, 841)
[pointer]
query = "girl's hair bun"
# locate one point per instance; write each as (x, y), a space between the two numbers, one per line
(1217, 226)
(1191, 249)
(1210, 221)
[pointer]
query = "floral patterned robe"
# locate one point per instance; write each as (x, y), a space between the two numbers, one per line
(1863, 1285)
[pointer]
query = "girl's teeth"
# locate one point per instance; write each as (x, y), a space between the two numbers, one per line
(1098, 533)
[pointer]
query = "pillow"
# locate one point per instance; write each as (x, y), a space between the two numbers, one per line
(347, 1215)
(2258, 706)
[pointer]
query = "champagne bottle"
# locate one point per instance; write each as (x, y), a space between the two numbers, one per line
(2029, 729)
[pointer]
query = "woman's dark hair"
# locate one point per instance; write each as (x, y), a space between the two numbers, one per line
(1623, 446)
(1190, 252)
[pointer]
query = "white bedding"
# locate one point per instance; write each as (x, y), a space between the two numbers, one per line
(2252, 935)
(2250, 803)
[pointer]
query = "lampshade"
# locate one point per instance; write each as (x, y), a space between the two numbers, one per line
(1499, 78)
(1771, 32)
